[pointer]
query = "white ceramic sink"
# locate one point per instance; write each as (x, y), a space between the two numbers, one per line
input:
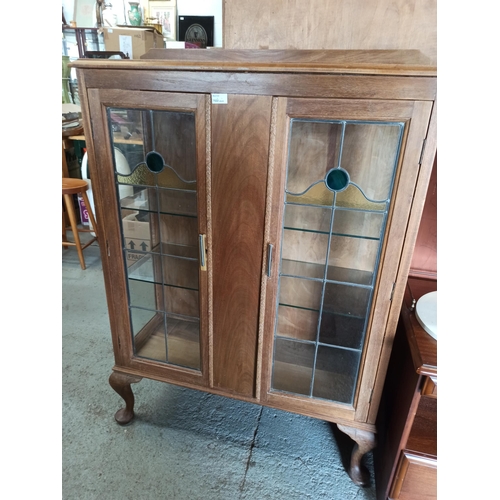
(426, 313)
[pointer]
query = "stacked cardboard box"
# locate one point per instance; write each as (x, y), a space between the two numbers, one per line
(133, 42)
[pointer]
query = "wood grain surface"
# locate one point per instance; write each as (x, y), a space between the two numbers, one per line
(388, 62)
(322, 24)
(240, 144)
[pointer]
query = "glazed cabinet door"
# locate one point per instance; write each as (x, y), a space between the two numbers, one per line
(344, 175)
(150, 180)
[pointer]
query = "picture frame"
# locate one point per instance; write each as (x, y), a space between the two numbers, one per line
(84, 13)
(165, 11)
(197, 30)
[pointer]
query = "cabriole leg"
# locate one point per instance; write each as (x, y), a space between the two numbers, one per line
(365, 442)
(120, 382)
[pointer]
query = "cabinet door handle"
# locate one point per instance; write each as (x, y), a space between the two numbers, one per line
(269, 259)
(203, 261)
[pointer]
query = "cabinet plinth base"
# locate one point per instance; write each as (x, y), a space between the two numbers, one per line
(365, 442)
(120, 383)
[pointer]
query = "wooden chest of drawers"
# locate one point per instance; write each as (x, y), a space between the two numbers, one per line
(406, 457)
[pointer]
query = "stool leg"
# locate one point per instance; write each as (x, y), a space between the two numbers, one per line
(68, 200)
(89, 211)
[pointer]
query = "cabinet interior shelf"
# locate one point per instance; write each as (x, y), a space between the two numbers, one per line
(313, 342)
(296, 379)
(172, 339)
(176, 266)
(314, 231)
(335, 274)
(167, 201)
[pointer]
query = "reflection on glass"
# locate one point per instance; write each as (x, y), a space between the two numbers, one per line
(181, 301)
(341, 330)
(302, 246)
(142, 294)
(297, 323)
(358, 224)
(293, 366)
(141, 317)
(172, 201)
(307, 218)
(355, 258)
(349, 300)
(145, 266)
(340, 175)
(303, 293)
(335, 374)
(180, 272)
(369, 154)
(183, 340)
(314, 151)
(155, 168)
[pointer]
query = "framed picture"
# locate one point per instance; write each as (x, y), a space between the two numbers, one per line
(198, 30)
(164, 13)
(84, 13)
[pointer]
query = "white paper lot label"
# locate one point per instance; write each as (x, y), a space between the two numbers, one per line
(125, 42)
(219, 98)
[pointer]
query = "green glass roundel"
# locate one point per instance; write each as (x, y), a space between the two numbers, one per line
(155, 162)
(337, 179)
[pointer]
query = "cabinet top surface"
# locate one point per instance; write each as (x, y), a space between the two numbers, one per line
(378, 62)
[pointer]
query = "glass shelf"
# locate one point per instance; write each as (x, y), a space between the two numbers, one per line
(163, 201)
(336, 329)
(167, 269)
(308, 270)
(333, 234)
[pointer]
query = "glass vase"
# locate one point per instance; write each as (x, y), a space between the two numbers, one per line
(134, 14)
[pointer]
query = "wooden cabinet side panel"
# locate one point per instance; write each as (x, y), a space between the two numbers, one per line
(240, 149)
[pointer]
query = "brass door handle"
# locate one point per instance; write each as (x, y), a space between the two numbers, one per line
(203, 252)
(269, 259)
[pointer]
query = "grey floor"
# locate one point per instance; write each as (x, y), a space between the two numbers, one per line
(182, 444)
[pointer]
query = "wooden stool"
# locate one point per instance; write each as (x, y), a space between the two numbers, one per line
(70, 187)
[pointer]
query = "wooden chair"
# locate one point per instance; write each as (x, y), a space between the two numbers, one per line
(70, 187)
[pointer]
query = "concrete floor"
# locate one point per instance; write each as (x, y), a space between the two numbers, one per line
(183, 444)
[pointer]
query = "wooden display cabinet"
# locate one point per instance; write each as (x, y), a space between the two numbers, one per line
(281, 192)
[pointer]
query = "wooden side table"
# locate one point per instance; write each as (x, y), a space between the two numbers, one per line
(406, 458)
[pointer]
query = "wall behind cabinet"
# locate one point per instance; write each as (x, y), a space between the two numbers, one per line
(331, 24)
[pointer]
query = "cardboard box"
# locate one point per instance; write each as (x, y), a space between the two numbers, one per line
(137, 235)
(133, 42)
